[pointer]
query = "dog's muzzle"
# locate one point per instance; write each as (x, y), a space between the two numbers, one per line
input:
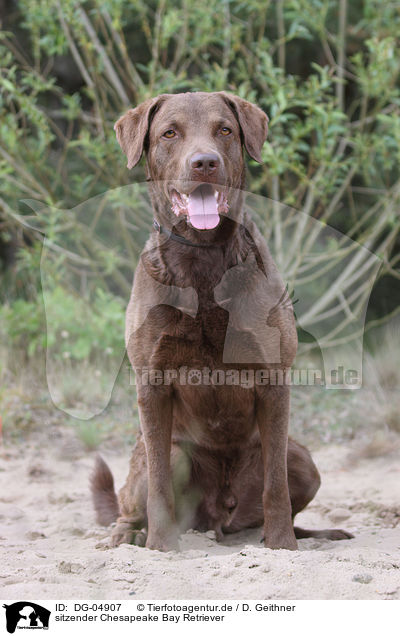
(202, 206)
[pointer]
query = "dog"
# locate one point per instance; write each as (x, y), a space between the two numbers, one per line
(206, 294)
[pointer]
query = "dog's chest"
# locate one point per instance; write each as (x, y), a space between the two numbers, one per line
(218, 416)
(198, 338)
(189, 326)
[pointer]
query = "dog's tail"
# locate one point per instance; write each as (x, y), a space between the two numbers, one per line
(103, 493)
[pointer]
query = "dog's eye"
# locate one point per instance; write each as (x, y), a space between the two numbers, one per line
(225, 131)
(169, 134)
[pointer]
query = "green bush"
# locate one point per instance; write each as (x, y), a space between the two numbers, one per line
(326, 72)
(76, 330)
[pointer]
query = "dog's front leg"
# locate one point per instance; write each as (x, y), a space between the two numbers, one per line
(155, 407)
(272, 411)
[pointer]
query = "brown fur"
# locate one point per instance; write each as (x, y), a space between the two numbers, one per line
(209, 457)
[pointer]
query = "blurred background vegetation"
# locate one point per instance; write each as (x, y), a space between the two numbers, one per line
(325, 71)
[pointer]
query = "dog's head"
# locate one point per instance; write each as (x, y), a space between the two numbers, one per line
(194, 149)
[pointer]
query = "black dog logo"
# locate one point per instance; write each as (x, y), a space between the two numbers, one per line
(26, 615)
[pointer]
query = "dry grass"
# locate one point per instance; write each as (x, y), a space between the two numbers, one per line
(370, 416)
(381, 396)
(377, 404)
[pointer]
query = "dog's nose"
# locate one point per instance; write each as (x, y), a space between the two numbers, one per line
(204, 164)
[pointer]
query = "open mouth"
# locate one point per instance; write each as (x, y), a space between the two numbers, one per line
(202, 206)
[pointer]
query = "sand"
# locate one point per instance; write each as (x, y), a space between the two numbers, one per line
(51, 547)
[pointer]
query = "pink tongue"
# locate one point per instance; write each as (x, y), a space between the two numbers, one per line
(203, 208)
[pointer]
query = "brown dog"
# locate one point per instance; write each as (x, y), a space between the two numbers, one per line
(206, 295)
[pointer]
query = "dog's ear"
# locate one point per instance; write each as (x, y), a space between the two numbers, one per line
(132, 128)
(253, 124)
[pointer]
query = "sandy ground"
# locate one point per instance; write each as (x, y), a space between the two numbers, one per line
(51, 548)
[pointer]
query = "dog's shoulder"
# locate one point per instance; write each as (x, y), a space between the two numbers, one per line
(155, 286)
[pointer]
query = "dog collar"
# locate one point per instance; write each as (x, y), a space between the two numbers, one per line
(176, 237)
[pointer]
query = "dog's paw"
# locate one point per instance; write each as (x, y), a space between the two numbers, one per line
(280, 541)
(281, 544)
(163, 542)
(125, 533)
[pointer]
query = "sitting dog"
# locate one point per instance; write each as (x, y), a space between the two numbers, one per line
(207, 295)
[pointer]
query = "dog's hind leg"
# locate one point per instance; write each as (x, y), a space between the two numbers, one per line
(303, 477)
(304, 482)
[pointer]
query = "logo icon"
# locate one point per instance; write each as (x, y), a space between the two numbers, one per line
(26, 615)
